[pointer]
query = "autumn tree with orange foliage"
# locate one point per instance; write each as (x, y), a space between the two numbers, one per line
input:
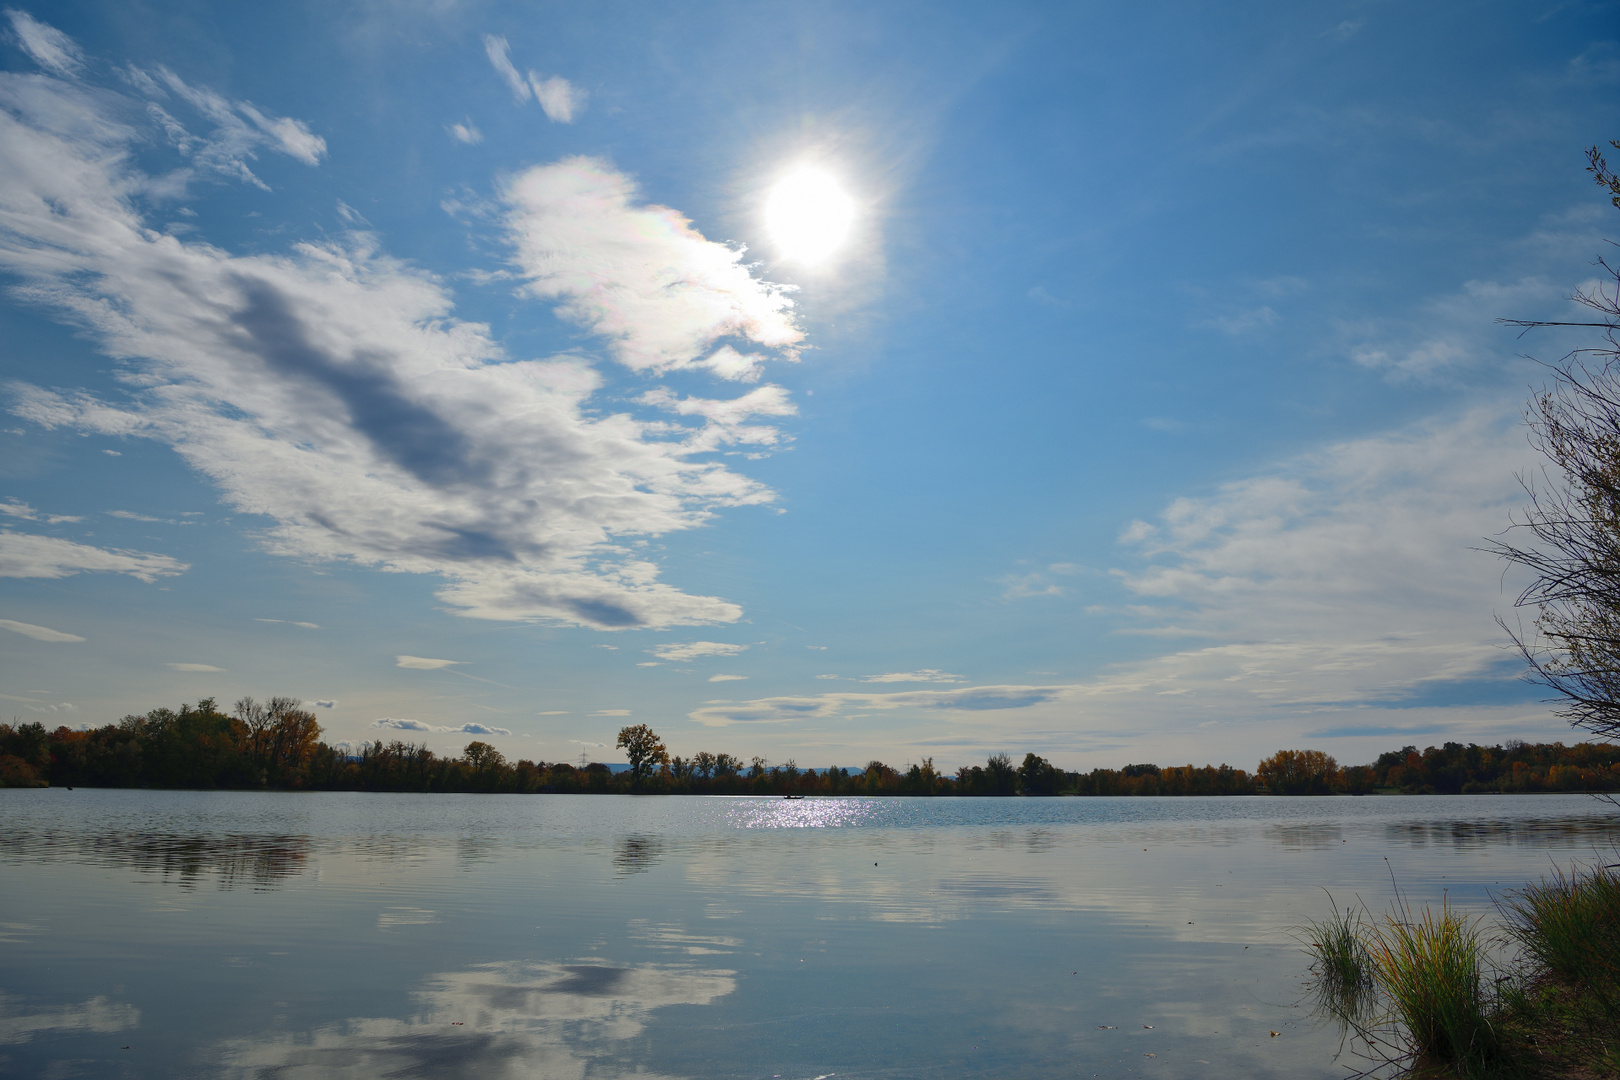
(1299, 772)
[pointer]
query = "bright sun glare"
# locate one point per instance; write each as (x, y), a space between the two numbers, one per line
(808, 215)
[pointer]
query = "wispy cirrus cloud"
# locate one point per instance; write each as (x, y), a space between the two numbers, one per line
(833, 706)
(196, 669)
(13, 508)
(924, 675)
(499, 52)
(38, 633)
(694, 650)
(46, 45)
(26, 555)
(332, 389)
(559, 98)
(1042, 582)
(424, 663)
(1349, 574)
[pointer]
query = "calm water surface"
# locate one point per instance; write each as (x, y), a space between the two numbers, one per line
(211, 934)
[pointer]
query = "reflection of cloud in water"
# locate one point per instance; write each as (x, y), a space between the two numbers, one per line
(502, 1020)
(670, 937)
(98, 1015)
(636, 854)
(405, 916)
(232, 859)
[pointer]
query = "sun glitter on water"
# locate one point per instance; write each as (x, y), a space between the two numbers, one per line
(809, 216)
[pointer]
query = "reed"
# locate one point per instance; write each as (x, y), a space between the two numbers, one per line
(1430, 970)
(1569, 928)
(1344, 986)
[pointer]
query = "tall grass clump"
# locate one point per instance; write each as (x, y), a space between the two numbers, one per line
(1569, 928)
(1344, 969)
(1431, 969)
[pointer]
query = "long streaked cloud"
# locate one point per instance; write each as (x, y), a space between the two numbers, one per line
(395, 724)
(924, 675)
(424, 663)
(559, 98)
(791, 708)
(38, 633)
(13, 508)
(332, 390)
(500, 58)
(27, 555)
(694, 650)
(46, 45)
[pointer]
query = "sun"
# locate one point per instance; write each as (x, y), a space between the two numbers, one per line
(809, 216)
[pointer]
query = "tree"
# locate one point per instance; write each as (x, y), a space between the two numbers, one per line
(1000, 776)
(486, 763)
(1572, 523)
(1299, 772)
(644, 750)
(1037, 776)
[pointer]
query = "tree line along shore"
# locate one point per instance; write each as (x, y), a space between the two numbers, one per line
(278, 745)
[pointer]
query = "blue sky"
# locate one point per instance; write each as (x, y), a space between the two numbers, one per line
(439, 364)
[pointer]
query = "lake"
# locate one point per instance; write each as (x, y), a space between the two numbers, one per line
(231, 934)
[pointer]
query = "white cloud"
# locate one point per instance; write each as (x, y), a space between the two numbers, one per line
(333, 391)
(466, 133)
(13, 508)
(423, 663)
(326, 703)
(291, 622)
(49, 47)
(925, 675)
(25, 555)
(726, 678)
(553, 712)
(395, 724)
(1349, 574)
(692, 650)
(560, 98)
(1453, 332)
(237, 131)
(1243, 322)
(610, 712)
(725, 417)
(193, 667)
(38, 633)
(833, 706)
(500, 58)
(1036, 582)
(639, 274)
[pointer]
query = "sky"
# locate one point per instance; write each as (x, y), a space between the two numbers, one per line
(826, 382)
